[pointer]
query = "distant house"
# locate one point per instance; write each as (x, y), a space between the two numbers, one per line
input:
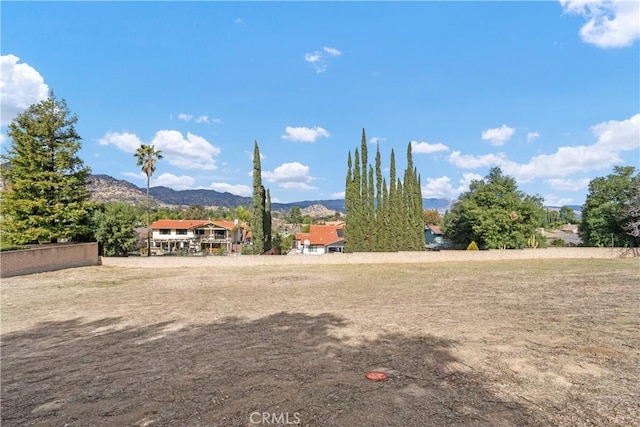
(321, 239)
(196, 235)
(433, 234)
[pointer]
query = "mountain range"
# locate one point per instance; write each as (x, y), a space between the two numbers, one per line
(105, 188)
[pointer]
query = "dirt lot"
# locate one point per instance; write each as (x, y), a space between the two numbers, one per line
(495, 343)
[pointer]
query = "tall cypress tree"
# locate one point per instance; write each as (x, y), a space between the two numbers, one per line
(267, 221)
(258, 217)
(371, 223)
(378, 223)
(356, 230)
(365, 218)
(349, 207)
(395, 218)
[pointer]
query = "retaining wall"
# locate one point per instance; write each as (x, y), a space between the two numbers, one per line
(363, 257)
(48, 258)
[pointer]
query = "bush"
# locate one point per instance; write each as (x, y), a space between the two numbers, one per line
(558, 242)
(246, 250)
(473, 246)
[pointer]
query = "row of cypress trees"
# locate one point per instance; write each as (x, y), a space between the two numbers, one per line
(381, 217)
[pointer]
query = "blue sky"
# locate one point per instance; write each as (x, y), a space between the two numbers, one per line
(548, 91)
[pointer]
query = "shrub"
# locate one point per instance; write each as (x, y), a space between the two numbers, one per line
(558, 242)
(246, 250)
(473, 246)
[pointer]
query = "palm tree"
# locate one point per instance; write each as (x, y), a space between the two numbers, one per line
(147, 157)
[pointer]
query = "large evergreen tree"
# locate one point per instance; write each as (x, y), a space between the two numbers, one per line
(46, 198)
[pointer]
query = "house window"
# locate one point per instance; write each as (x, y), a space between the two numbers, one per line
(165, 231)
(199, 232)
(181, 232)
(219, 234)
(313, 248)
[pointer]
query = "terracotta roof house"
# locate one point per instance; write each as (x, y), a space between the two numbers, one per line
(195, 235)
(321, 239)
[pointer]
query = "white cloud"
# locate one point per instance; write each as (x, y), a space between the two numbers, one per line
(376, 140)
(203, 118)
(609, 23)
(312, 57)
(498, 136)
(223, 187)
(567, 184)
(468, 161)
(553, 200)
(442, 187)
(127, 142)
(612, 138)
(239, 21)
(296, 186)
(141, 176)
(192, 152)
(320, 58)
(290, 176)
(618, 135)
(305, 134)
(332, 51)
(532, 135)
(20, 86)
(427, 148)
(339, 195)
(182, 182)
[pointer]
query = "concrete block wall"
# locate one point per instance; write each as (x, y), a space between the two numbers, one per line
(48, 258)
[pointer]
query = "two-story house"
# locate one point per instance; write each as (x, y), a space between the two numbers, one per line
(196, 235)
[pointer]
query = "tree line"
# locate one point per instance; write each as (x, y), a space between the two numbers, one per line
(46, 199)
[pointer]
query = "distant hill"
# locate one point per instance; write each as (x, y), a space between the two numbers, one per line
(105, 188)
(198, 197)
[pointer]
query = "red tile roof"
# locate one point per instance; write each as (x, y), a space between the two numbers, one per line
(178, 224)
(435, 228)
(186, 224)
(224, 224)
(321, 235)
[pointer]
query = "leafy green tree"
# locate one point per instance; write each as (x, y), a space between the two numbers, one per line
(46, 198)
(197, 212)
(295, 215)
(242, 213)
(494, 214)
(431, 217)
(114, 228)
(147, 157)
(603, 213)
(567, 215)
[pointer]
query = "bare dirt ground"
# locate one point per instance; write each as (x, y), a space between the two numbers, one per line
(490, 343)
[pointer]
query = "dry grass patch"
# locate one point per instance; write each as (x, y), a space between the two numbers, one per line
(527, 342)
